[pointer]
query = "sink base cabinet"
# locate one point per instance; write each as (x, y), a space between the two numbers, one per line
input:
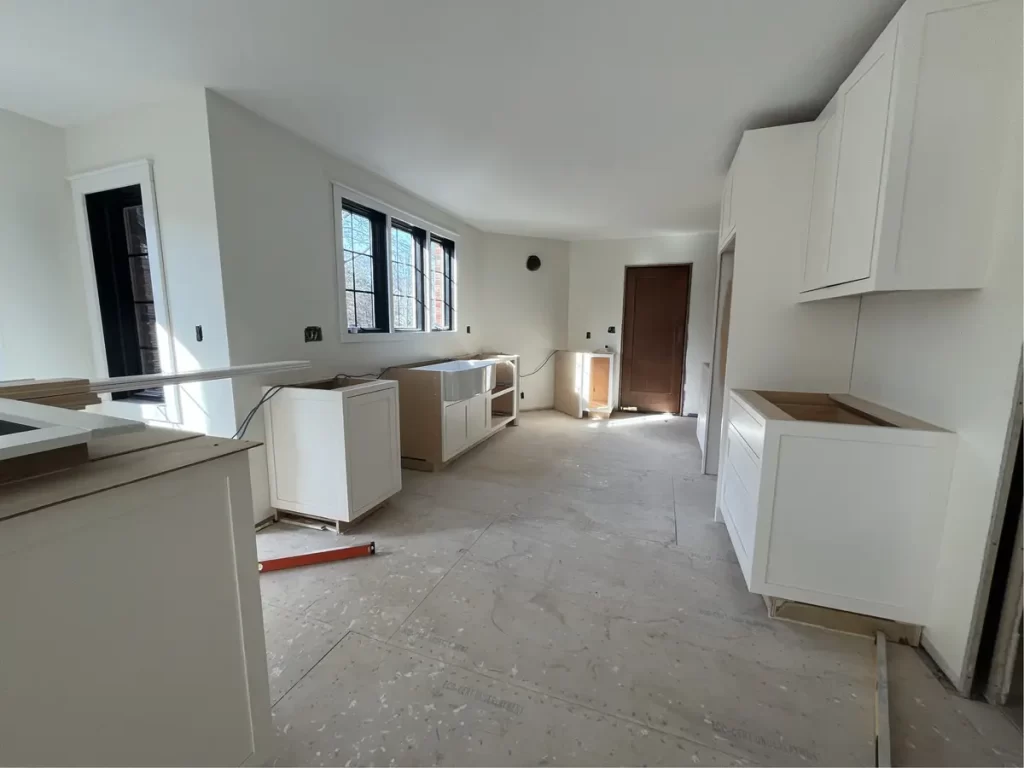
(434, 430)
(845, 513)
(333, 448)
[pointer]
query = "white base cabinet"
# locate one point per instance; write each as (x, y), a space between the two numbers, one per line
(133, 628)
(910, 168)
(834, 501)
(333, 447)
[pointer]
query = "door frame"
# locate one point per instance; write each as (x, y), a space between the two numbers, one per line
(686, 329)
(730, 248)
(138, 173)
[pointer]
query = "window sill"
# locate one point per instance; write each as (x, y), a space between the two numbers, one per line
(347, 337)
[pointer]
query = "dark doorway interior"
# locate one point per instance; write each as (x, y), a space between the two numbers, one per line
(117, 231)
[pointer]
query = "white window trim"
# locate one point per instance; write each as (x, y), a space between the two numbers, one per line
(139, 173)
(342, 193)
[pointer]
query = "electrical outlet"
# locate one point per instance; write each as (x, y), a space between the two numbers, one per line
(199, 333)
(522, 395)
(611, 329)
(588, 334)
(314, 333)
(468, 329)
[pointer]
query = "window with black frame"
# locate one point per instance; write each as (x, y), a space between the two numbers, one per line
(407, 283)
(442, 259)
(366, 269)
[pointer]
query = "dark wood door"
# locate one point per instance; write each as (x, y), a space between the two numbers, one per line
(654, 338)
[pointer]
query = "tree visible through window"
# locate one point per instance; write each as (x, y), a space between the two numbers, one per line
(407, 276)
(442, 257)
(365, 268)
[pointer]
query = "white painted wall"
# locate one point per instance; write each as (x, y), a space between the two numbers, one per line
(42, 304)
(174, 136)
(275, 217)
(596, 296)
(526, 312)
(950, 358)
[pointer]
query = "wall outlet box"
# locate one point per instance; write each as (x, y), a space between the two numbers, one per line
(314, 333)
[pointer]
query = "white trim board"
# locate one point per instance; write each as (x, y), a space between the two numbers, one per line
(139, 172)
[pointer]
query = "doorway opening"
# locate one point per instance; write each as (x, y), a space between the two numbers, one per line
(118, 230)
(124, 286)
(657, 301)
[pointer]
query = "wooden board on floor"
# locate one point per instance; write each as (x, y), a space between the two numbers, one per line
(842, 621)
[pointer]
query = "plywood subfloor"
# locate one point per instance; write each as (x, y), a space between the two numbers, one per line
(559, 596)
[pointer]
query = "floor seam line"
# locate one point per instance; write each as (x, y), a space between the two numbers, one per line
(314, 666)
(431, 590)
(568, 702)
(675, 512)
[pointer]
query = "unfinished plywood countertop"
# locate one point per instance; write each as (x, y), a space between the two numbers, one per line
(113, 462)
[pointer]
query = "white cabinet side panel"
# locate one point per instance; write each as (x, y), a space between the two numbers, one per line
(124, 634)
(964, 115)
(883, 498)
(308, 452)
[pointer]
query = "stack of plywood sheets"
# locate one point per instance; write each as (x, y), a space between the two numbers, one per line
(63, 393)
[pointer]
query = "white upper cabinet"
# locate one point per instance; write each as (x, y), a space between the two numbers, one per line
(727, 227)
(908, 175)
(819, 228)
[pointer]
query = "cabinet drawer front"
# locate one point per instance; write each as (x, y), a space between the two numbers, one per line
(746, 466)
(747, 427)
(739, 506)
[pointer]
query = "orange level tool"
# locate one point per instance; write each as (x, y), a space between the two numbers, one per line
(320, 556)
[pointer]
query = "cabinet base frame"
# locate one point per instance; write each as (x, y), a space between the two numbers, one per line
(842, 621)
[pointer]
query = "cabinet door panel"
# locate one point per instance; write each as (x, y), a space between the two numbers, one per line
(455, 435)
(371, 447)
(476, 418)
(858, 182)
(819, 228)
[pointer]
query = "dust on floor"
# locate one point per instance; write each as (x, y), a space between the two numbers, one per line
(562, 596)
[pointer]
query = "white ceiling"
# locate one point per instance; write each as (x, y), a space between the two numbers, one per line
(560, 118)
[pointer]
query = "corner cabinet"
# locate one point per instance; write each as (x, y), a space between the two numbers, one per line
(908, 174)
(333, 450)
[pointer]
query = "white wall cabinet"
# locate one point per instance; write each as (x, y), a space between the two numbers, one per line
(834, 501)
(908, 168)
(333, 447)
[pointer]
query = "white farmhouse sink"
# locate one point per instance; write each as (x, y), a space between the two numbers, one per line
(462, 379)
